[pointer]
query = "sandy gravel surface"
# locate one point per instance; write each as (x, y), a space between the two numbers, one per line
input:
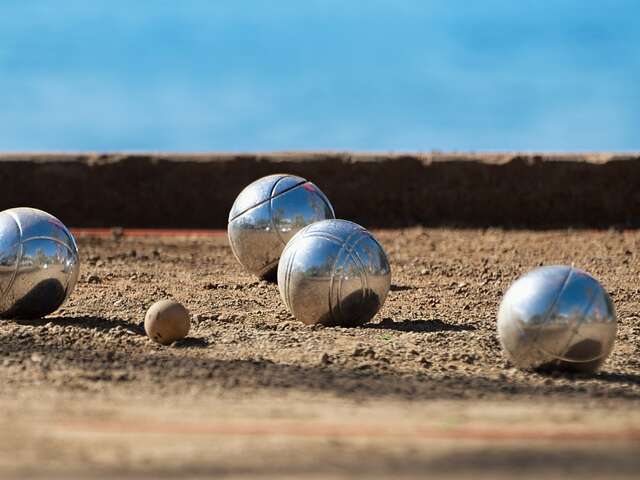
(252, 392)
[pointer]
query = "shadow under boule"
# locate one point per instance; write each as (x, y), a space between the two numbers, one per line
(45, 297)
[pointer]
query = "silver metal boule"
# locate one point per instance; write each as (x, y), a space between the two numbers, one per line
(334, 272)
(267, 213)
(557, 317)
(39, 263)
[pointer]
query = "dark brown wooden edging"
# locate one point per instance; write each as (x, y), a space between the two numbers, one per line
(375, 190)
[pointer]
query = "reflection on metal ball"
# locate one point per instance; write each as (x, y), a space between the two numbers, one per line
(557, 317)
(334, 273)
(265, 216)
(39, 263)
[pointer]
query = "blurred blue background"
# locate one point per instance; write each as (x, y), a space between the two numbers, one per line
(409, 75)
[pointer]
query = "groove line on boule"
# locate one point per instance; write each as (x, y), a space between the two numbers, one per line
(268, 199)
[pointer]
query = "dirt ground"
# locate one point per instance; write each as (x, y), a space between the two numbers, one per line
(421, 391)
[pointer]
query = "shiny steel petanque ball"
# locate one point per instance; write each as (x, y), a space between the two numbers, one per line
(39, 263)
(334, 272)
(557, 317)
(265, 216)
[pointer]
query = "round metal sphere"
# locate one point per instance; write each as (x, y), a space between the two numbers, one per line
(557, 317)
(334, 273)
(265, 216)
(39, 263)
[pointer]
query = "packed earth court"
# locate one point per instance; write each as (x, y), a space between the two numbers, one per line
(424, 385)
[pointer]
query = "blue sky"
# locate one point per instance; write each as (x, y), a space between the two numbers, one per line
(366, 75)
